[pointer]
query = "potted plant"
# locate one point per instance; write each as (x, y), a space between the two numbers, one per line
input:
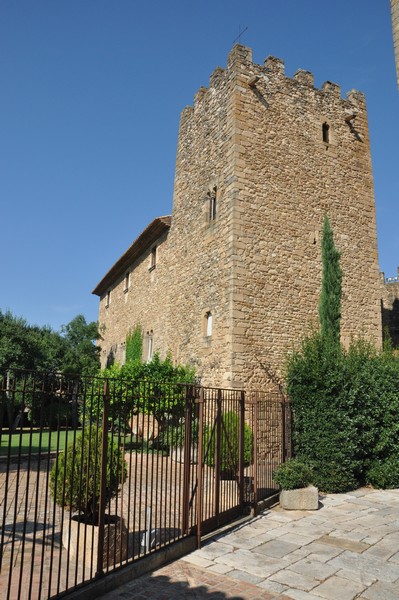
(294, 478)
(229, 445)
(75, 484)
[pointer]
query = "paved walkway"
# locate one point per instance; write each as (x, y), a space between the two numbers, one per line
(347, 549)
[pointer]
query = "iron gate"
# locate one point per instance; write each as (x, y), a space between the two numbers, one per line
(207, 456)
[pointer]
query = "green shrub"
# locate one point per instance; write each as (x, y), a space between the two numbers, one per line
(324, 428)
(175, 436)
(385, 473)
(229, 444)
(345, 410)
(293, 474)
(75, 476)
(155, 388)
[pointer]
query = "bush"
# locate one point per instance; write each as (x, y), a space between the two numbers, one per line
(324, 429)
(155, 388)
(345, 410)
(75, 476)
(385, 474)
(229, 444)
(175, 436)
(293, 474)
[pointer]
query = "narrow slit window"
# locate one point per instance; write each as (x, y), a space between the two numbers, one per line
(150, 347)
(209, 324)
(153, 260)
(107, 298)
(126, 286)
(212, 204)
(326, 133)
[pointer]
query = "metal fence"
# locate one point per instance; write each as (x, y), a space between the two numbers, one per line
(95, 474)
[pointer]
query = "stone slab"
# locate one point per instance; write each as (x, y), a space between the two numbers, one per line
(301, 499)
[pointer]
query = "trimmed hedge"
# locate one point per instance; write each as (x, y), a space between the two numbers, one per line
(346, 412)
(293, 475)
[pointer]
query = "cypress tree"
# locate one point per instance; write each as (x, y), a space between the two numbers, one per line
(331, 287)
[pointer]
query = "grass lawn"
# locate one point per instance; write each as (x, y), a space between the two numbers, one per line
(49, 439)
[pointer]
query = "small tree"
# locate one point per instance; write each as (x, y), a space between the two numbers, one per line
(331, 287)
(76, 475)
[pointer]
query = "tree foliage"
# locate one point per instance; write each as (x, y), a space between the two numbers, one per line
(29, 347)
(154, 388)
(331, 286)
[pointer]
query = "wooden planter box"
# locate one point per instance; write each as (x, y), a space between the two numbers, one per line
(300, 499)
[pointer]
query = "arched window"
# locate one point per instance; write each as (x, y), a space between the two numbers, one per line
(326, 132)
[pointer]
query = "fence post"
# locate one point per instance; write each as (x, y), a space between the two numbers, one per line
(200, 464)
(187, 457)
(218, 450)
(256, 465)
(241, 449)
(103, 480)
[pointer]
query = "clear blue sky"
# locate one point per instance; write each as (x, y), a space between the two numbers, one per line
(91, 93)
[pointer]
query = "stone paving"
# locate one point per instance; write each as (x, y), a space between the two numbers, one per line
(347, 549)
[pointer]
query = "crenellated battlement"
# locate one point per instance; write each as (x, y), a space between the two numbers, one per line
(240, 64)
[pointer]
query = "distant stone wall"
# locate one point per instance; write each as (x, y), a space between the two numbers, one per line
(390, 308)
(395, 30)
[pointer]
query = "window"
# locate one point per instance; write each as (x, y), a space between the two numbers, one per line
(212, 204)
(326, 133)
(208, 318)
(153, 258)
(150, 345)
(126, 286)
(107, 298)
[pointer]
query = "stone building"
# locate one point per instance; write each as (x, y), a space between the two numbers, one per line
(232, 279)
(395, 30)
(390, 308)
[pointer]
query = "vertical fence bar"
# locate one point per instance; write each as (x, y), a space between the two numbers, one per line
(256, 457)
(218, 451)
(283, 431)
(186, 464)
(241, 450)
(200, 464)
(103, 481)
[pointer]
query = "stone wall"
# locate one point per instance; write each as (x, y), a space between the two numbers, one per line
(287, 179)
(276, 155)
(138, 303)
(390, 308)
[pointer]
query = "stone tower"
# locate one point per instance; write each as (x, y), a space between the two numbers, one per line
(261, 159)
(277, 155)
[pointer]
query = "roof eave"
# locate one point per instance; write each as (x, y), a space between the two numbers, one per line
(146, 238)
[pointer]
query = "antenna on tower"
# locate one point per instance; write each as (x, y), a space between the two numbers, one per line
(240, 33)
